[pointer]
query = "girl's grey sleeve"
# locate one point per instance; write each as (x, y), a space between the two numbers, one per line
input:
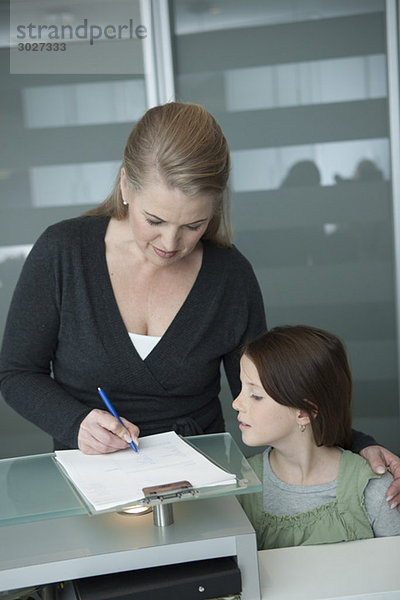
(385, 521)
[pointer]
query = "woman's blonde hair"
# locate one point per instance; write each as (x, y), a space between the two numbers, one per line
(181, 145)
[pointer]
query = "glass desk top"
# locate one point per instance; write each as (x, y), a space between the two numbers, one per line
(33, 488)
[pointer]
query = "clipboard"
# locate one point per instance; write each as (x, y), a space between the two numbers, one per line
(165, 469)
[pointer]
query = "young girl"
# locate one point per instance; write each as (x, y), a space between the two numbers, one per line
(296, 398)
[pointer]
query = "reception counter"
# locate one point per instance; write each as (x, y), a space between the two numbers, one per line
(47, 536)
(48, 533)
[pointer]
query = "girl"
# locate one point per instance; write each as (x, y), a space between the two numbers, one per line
(296, 399)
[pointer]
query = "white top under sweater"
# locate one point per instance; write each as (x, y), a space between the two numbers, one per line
(144, 344)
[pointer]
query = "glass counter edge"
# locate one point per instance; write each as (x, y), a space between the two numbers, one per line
(85, 507)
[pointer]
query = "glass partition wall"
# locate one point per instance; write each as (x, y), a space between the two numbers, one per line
(301, 91)
(63, 135)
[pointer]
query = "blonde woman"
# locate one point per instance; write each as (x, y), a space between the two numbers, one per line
(144, 296)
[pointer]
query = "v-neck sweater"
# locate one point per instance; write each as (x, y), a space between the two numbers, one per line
(65, 337)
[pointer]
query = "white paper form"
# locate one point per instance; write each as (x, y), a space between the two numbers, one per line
(109, 480)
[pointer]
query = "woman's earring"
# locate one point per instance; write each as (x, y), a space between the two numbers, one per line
(302, 428)
(124, 203)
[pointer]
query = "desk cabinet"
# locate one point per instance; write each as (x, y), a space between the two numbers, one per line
(69, 548)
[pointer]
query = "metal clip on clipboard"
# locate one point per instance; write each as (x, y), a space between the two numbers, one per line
(161, 498)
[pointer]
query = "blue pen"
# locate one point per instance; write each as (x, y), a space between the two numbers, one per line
(114, 413)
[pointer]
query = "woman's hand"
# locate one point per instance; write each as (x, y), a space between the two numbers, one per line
(101, 433)
(380, 459)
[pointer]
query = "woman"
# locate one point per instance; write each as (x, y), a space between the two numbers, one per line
(296, 399)
(143, 296)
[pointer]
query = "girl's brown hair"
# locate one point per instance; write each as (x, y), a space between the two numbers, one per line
(182, 146)
(307, 368)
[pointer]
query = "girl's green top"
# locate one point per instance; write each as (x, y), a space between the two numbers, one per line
(342, 519)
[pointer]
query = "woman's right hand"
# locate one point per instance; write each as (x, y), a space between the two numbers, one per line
(101, 433)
